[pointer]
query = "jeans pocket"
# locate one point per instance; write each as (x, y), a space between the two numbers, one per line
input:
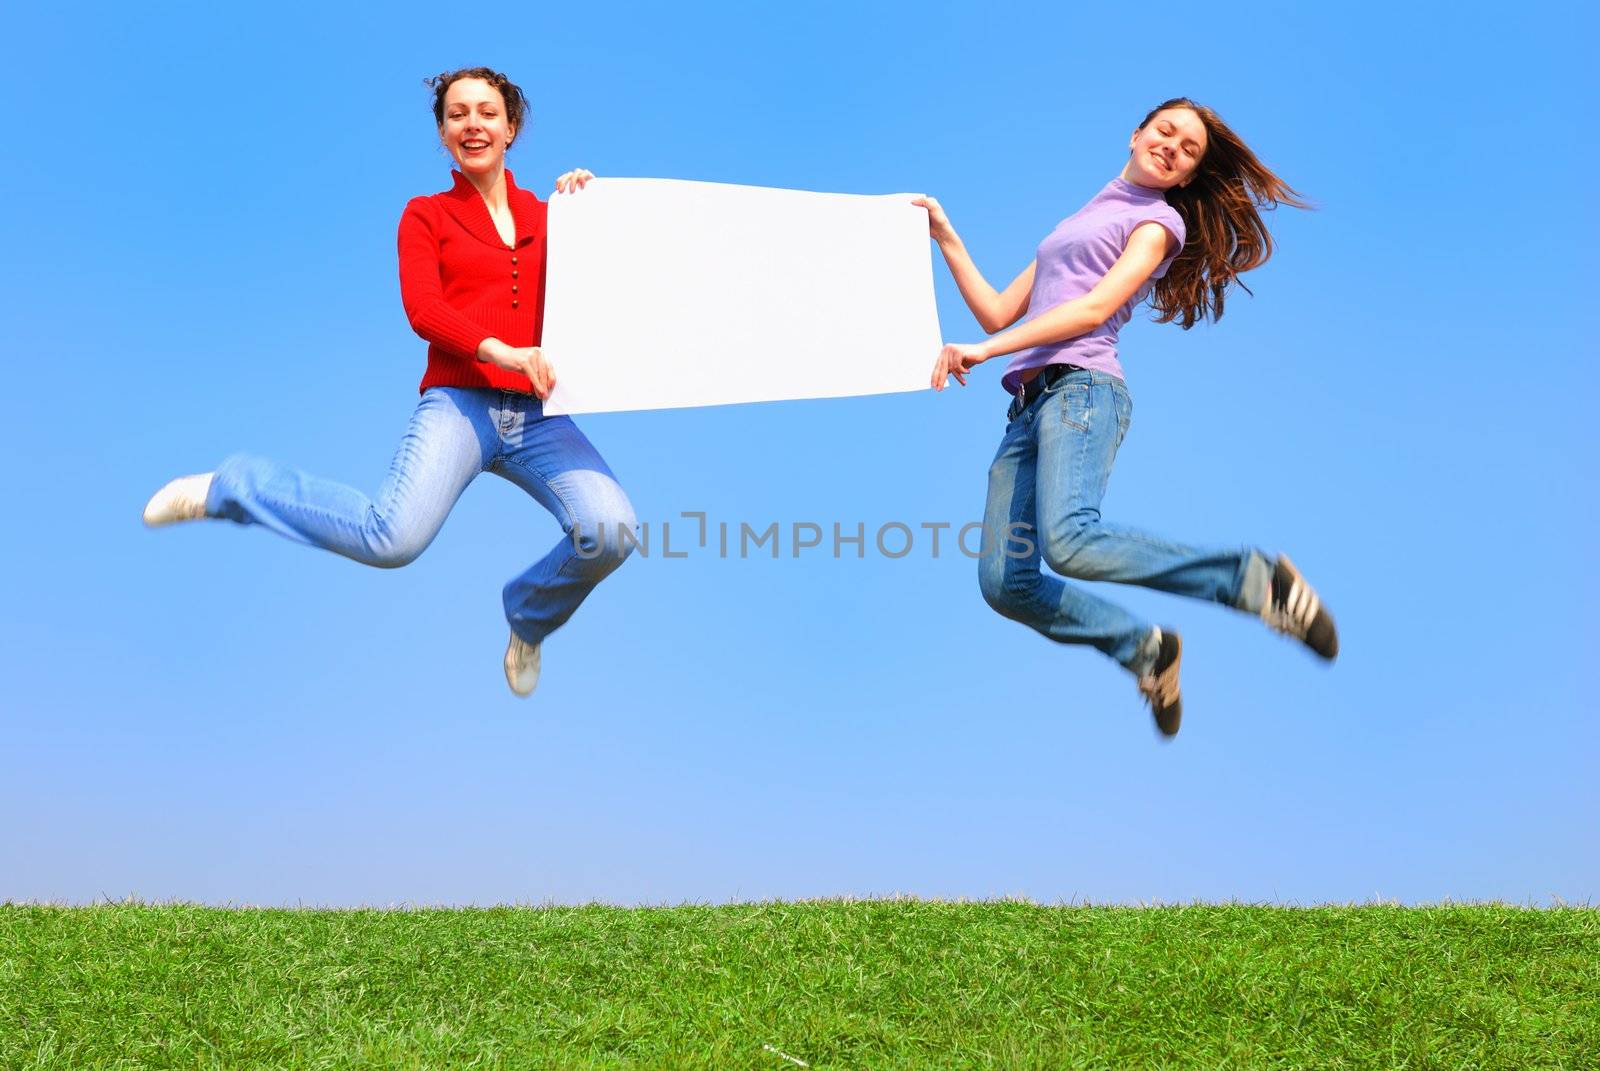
(1074, 400)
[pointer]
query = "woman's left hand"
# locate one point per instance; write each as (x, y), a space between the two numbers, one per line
(956, 360)
(573, 180)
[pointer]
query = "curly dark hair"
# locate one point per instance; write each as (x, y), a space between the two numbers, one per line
(1221, 209)
(510, 92)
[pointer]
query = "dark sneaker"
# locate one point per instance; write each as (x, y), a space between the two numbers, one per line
(1294, 610)
(1160, 687)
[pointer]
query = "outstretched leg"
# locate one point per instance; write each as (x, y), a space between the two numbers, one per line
(443, 449)
(1081, 423)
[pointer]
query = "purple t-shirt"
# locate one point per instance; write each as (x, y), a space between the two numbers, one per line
(1074, 257)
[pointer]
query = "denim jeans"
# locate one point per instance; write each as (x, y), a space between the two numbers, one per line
(454, 434)
(1050, 474)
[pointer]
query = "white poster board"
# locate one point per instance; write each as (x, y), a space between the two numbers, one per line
(661, 293)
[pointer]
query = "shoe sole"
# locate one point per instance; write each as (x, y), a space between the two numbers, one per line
(1169, 721)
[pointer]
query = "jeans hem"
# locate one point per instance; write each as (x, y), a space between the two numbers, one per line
(1255, 582)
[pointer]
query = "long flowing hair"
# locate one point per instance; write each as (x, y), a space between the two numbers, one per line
(1221, 209)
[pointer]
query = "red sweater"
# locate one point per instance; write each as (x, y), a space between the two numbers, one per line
(460, 283)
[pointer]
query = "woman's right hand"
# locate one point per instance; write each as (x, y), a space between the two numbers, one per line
(938, 223)
(529, 360)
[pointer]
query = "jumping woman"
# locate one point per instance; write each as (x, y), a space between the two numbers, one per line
(1183, 219)
(472, 263)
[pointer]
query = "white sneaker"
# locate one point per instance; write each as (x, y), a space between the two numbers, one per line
(184, 499)
(522, 665)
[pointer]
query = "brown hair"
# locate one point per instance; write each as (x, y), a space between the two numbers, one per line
(1221, 209)
(510, 92)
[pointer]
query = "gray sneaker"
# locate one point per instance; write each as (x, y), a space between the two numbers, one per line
(522, 665)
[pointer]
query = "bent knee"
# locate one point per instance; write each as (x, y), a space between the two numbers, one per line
(1005, 586)
(992, 583)
(605, 541)
(1074, 554)
(394, 555)
(387, 545)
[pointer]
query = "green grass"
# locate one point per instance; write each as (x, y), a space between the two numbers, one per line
(837, 984)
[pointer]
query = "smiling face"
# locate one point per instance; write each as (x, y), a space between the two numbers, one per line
(475, 129)
(1167, 150)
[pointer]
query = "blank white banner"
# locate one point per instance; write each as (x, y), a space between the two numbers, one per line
(661, 294)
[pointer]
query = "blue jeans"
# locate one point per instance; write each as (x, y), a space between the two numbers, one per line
(454, 434)
(1046, 484)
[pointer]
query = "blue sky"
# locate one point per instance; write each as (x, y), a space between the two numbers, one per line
(200, 219)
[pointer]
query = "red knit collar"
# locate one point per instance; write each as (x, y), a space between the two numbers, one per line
(467, 205)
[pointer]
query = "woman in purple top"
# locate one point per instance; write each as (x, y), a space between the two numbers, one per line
(1183, 220)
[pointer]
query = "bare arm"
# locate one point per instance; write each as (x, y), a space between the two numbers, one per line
(1146, 249)
(993, 309)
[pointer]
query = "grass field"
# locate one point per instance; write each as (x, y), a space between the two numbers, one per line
(826, 984)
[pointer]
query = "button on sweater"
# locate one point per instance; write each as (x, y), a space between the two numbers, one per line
(461, 283)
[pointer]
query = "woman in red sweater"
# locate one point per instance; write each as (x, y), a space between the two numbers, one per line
(472, 281)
